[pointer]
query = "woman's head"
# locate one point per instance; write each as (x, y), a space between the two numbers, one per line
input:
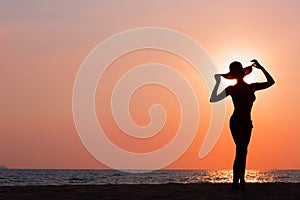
(236, 70)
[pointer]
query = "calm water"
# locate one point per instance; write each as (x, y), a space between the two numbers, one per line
(13, 177)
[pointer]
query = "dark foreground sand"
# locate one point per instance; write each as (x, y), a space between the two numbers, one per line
(166, 191)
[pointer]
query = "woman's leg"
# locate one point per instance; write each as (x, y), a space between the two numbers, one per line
(247, 126)
(235, 130)
(241, 134)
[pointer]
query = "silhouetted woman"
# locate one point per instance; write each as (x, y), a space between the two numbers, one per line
(240, 122)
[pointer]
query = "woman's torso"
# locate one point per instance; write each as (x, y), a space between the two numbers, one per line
(243, 97)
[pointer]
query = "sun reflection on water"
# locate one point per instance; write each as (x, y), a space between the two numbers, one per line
(252, 176)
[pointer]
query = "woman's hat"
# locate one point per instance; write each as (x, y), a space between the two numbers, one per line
(236, 70)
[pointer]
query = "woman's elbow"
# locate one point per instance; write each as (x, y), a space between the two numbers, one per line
(213, 100)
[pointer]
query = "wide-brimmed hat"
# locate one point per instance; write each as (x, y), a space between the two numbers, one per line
(236, 69)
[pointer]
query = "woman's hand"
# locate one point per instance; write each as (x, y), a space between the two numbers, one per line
(217, 77)
(264, 85)
(256, 64)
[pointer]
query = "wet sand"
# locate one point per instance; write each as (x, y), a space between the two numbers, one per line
(165, 191)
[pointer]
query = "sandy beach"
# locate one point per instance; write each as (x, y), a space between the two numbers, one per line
(164, 191)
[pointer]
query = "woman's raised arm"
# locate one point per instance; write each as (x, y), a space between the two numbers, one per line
(264, 85)
(215, 97)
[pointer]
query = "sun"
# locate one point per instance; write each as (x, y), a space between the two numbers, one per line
(242, 55)
(252, 77)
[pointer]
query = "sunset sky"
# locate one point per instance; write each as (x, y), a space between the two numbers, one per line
(43, 44)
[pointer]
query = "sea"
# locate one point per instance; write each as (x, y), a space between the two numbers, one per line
(26, 177)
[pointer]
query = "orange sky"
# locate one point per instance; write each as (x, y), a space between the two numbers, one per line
(42, 46)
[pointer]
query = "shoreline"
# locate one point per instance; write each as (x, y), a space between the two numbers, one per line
(153, 191)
